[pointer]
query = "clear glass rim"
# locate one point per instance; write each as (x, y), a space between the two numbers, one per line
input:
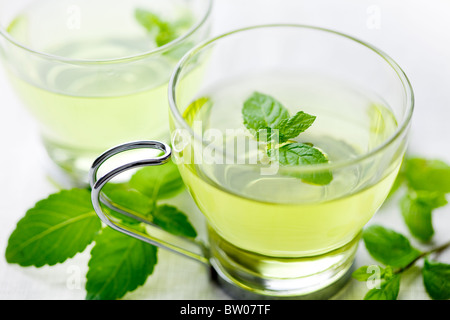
(138, 56)
(401, 129)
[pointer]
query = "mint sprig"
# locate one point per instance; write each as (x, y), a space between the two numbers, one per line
(424, 183)
(268, 120)
(65, 223)
(398, 255)
(163, 31)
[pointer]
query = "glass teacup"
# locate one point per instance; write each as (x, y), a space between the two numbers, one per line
(279, 227)
(94, 73)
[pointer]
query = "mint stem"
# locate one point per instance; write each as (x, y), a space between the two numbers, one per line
(438, 249)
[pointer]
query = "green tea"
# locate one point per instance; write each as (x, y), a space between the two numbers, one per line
(277, 215)
(81, 127)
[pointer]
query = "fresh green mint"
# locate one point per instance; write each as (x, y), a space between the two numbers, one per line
(303, 154)
(388, 290)
(389, 247)
(436, 278)
(261, 111)
(65, 223)
(267, 119)
(163, 31)
(427, 174)
(118, 264)
(395, 251)
(417, 208)
(292, 127)
(54, 230)
(424, 183)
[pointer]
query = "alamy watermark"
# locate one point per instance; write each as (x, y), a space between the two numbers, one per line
(74, 277)
(373, 21)
(374, 280)
(73, 21)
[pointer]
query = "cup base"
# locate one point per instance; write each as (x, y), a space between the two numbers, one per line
(245, 275)
(236, 291)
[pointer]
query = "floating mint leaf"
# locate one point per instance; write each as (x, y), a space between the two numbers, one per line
(198, 109)
(269, 121)
(389, 247)
(164, 31)
(263, 111)
(292, 127)
(294, 154)
(436, 279)
(54, 230)
(388, 290)
(174, 221)
(118, 264)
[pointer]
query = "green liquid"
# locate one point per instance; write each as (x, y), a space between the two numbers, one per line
(277, 215)
(87, 126)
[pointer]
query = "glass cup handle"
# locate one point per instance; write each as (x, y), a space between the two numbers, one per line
(178, 244)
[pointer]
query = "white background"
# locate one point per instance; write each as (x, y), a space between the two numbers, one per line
(415, 33)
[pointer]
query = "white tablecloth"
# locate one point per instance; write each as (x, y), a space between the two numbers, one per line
(415, 33)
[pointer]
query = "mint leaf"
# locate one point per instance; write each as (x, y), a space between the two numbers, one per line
(118, 264)
(389, 247)
(416, 208)
(428, 198)
(436, 279)
(174, 221)
(198, 109)
(158, 182)
(388, 290)
(263, 111)
(166, 34)
(361, 274)
(164, 31)
(292, 127)
(294, 154)
(269, 121)
(429, 175)
(364, 273)
(127, 198)
(54, 230)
